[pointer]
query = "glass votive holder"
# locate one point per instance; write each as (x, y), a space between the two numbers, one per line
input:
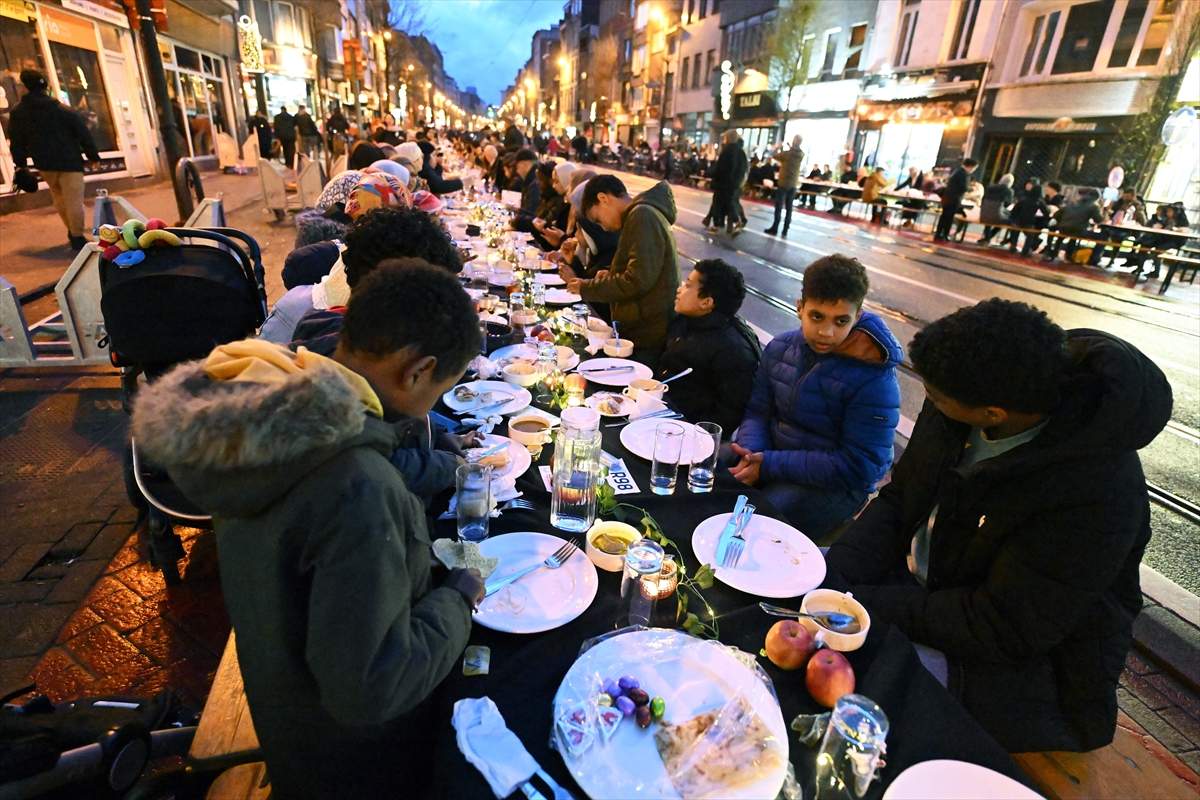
(668, 578)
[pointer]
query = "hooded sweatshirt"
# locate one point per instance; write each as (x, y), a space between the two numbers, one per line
(324, 559)
(1032, 582)
(826, 420)
(643, 276)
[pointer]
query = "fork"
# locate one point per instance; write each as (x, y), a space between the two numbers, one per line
(517, 504)
(737, 544)
(554, 561)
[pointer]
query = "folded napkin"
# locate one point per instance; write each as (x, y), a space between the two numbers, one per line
(646, 405)
(490, 746)
(484, 425)
(484, 367)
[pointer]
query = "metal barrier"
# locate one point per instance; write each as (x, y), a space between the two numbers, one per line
(105, 208)
(209, 214)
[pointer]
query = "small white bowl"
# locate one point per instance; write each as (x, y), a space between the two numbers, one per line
(618, 348)
(610, 562)
(829, 600)
(521, 373)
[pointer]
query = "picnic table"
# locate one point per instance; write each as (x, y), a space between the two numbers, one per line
(526, 670)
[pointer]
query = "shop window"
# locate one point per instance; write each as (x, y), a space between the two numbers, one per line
(1081, 37)
(964, 28)
(188, 59)
(82, 88)
(18, 50)
(854, 48)
(1086, 162)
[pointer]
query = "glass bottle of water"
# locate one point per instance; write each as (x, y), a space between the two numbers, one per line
(575, 474)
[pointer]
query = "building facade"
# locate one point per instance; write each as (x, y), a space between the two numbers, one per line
(695, 70)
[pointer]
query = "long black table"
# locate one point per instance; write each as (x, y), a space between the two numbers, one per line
(526, 670)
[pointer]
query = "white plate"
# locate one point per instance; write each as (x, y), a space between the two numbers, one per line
(485, 317)
(638, 438)
(624, 404)
(619, 378)
(944, 779)
(520, 397)
(518, 456)
(561, 297)
(542, 600)
(696, 677)
(567, 358)
(549, 279)
(779, 561)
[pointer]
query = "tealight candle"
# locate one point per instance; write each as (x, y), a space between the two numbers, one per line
(668, 578)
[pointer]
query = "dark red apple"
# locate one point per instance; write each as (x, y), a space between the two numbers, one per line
(789, 644)
(828, 677)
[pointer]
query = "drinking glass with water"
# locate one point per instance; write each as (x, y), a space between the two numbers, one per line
(852, 751)
(704, 463)
(668, 447)
(639, 583)
(473, 501)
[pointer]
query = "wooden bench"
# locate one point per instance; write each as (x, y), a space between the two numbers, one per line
(1186, 266)
(1126, 768)
(226, 731)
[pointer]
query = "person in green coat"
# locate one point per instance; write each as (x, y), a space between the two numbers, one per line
(640, 284)
(342, 634)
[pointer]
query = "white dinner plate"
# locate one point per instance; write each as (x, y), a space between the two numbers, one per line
(567, 358)
(590, 370)
(779, 561)
(693, 676)
(944, 779)
(624, 404)
(542, 600)
(549, 279)
(638, 438)
(561, 297)
(518, 456)
(485, 317)
(520, 397)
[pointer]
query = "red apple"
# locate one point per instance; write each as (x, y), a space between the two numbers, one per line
(789, 644)
(828, 677)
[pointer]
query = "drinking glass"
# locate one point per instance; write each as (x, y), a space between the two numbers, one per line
(852, 751)
(474, 501)
(582, 313)
(576, 472)
(640, 582)
(668, 447)
(702, 470)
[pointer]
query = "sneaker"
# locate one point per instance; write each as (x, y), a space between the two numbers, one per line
(771, 231)
(784, 234)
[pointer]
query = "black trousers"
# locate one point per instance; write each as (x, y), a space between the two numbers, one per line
(783, 199)
(289, 151)
(950, 207)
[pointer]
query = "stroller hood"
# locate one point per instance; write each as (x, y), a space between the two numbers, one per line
(236, 430)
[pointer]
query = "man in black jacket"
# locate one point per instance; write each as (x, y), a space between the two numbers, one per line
(952, 196)
(526, 182)
(727, 177)
(285, 132)
(53, 135)
(310, 135)
(707, 336)
(1008, 542)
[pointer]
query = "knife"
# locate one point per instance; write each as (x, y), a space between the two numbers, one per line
(730, 527)
(608, 369)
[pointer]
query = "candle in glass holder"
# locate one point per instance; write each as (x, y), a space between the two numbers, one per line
(575, 384)
(668, 578)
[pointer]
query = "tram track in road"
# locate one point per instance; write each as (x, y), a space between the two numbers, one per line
(1160, 496)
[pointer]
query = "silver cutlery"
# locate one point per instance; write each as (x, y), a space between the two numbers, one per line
(730, 527)
(737, 544)
(517, 505)
(559, 792)
(490, 406)
(664, 414)
(530, 791)
(489, 452)
(834, 621)
(617, 368)
(553, 561)
(677, 376)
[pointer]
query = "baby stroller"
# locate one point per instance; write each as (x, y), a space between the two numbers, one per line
(174, 306)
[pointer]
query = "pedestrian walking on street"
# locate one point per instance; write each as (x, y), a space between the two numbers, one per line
(790, 161)
(262, 127)
(335, 129)
(730, 169)
(310, 135)
(54, 136)
(285, 132)
(952, 197)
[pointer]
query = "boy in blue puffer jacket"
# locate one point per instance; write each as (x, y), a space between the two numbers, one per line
(818, 432)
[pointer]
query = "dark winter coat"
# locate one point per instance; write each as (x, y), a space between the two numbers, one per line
(995, 199)
(643, 276)
(531, 193)
(1030, 210)
(826, 419)
(260, 125)
(325, 570)
(723, 353)
(51, 134)
(514, 140)
(285, 126)
(730, 170)
(1033, 564)
(956, 186)
(305, 124)
(307, 265)
(1079, 216)
(438, 184)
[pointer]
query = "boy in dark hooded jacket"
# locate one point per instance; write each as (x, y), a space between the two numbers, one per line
(342, 634)
(1007, 543)
(818, 432)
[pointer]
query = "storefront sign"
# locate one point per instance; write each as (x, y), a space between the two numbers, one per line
(727, 80)
(250, 45)
(17, 9)
(66, 29)
(96, 10)
(1062, 125)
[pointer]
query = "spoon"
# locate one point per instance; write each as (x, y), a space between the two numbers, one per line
(830, 620)
(687, 371)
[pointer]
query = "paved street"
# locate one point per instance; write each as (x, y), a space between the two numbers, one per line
(914, 281)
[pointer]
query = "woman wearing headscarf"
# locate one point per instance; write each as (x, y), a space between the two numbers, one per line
(553, 229)
(411, 152)
(363, 154)
(328, 220)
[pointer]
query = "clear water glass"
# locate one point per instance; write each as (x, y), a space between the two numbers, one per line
(639, 583)
(576, 473)
(852, 750)
(701, 472)
(668, 448)
(583, 313)
(474, 501)
(538, 294)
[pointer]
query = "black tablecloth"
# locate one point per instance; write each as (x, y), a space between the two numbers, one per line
(526, 670)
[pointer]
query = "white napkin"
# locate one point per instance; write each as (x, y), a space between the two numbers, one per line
(490, 746)
(484, 368)
(646, 405)
(484, 425)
